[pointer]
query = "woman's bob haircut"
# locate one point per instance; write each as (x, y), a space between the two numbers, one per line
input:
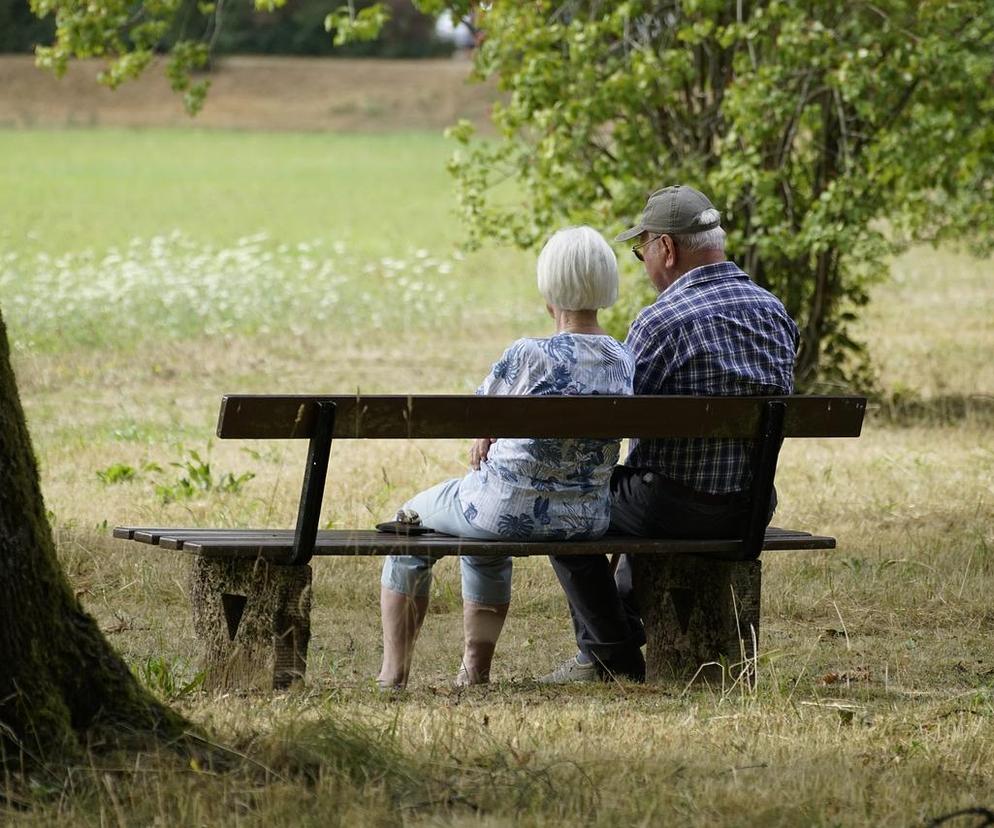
(577, 270)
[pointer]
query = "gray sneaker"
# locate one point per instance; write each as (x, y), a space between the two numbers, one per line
(570, 671)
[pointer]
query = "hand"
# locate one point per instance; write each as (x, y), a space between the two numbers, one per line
(479, 450)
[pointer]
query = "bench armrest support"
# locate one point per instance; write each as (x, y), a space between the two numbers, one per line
(312, 490)
(763, 472)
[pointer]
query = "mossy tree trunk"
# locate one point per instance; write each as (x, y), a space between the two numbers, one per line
(62, 686)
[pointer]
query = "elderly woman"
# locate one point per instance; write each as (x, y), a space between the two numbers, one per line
(520, 488)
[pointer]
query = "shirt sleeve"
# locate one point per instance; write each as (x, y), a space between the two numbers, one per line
(629, 378)
(507, 373)
(656, 353)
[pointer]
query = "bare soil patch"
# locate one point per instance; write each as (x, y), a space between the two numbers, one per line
(247, 92)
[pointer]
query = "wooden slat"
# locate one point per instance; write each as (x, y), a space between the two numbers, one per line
(402, 417)
(172, 540)
(128, 532)
(153, 535)
(276, 545)
(442, 547)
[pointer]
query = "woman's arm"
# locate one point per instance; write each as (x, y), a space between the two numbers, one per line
(479, 450)
(504, 376)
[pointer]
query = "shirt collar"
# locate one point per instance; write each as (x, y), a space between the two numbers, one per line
(706, 273)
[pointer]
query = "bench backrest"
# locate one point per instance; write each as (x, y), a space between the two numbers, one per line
(407, 417)
(320, 419)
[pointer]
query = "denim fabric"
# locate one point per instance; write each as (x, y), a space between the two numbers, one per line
(486, 579)
(606, 620)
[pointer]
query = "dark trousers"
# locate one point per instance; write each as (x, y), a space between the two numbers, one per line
(606, 619)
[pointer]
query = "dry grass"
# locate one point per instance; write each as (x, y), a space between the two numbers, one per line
(930, 327)
(875, 702)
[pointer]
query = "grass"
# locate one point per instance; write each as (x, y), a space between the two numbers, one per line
(93, 189)
(110, 237)
(875, 701)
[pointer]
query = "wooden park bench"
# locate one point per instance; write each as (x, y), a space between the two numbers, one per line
(700, 599)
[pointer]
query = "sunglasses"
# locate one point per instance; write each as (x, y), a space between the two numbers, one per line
(637, 249)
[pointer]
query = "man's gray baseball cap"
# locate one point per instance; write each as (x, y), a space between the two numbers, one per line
(675, 211)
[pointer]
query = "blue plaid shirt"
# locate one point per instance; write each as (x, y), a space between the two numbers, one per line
(713, 332)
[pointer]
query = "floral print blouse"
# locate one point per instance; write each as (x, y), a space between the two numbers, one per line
(549, 489)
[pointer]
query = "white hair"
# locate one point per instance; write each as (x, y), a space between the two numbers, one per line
(577, 270)
(713, 239)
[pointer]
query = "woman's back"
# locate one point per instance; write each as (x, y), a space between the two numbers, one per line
(543, 488)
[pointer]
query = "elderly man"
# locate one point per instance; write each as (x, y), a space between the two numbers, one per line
(711, 331)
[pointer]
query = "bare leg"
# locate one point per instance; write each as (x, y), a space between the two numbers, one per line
(402, 616)
(482, 624)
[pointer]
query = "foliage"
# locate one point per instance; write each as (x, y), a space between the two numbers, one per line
(301, 27)
(116, 473)
(830, 134)
(167, 677)
(20, 30)
(294, 27)
(130, 34)
(124, 473)
(197, 478)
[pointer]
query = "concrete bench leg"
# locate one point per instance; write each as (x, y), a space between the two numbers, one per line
(698, 611)
(253, 620)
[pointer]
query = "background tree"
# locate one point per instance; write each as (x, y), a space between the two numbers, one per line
(63, 689)
(298, 28)
(20, 30)
(831, 134)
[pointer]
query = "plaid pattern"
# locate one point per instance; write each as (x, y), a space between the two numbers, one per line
(713, 332)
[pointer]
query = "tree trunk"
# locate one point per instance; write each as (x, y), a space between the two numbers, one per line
(823, 294)
(62, 686)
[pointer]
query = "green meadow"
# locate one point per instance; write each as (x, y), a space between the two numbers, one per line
(96, 188)
(144, 273)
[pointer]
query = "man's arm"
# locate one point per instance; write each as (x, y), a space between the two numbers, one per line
(655, 349)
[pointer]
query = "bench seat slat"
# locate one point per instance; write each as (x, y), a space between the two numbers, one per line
(155, 536)
(174, 538)
(276, 545)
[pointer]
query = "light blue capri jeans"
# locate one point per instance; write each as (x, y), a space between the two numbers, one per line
(485, 579)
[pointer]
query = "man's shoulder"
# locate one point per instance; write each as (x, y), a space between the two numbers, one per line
(729, 293)
(668, 309)
(748, 287)
(676, 307)
(727, 287)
